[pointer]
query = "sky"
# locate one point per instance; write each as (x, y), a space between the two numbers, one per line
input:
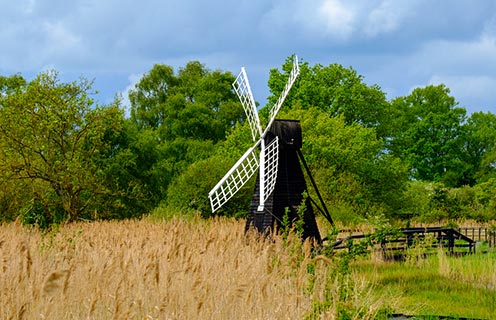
(397, 44)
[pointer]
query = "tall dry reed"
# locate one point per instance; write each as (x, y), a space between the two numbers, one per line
(176, 269)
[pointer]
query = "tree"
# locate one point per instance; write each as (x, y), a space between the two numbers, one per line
(51, 132)
(149, 96)
(189, 190)
(427, 133)
(8, 85)
(479, 148)
(178, 120)
(336, 91)
(196, 103)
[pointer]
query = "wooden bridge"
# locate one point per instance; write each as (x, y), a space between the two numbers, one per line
(456, 241)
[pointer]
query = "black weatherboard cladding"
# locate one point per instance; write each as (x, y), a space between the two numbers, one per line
(289, 187)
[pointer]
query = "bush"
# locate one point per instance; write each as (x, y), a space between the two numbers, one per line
(190, 190)
(431, 202)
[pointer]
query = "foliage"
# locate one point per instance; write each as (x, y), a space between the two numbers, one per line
(190, 192)
(336, 91)
(8, 85)
(124, 168)
(349, 164)
(484, 202)
(13, 194)
(432, 202)
(427, 133)
(480, 145)
(50, 132)
(178, 119)
(64, 157)
(196, 103)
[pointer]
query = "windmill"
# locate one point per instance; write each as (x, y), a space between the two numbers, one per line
(276, 149)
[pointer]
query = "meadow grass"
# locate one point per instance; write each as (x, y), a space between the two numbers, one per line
(439, 285)
(209, 269)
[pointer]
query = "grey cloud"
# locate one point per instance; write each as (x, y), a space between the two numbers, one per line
(396, 44)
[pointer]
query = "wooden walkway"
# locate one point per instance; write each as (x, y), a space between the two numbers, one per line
(456, 241)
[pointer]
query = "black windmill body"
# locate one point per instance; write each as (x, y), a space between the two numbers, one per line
(290, 186)
(276, 156)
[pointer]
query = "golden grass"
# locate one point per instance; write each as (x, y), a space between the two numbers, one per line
(176, 269)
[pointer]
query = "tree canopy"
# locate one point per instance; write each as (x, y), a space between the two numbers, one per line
(428, 135)
(336, 91)
(50, 133)
(196, 103)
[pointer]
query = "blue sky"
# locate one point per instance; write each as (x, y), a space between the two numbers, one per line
(397, 44)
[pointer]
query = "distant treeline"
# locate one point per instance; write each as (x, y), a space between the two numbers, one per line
(64, 157)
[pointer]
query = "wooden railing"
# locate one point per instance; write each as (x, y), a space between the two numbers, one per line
(453, 240)
(480, 234)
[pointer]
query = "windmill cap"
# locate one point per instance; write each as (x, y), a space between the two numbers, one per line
(289, 132)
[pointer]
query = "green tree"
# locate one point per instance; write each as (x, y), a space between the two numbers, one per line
(196, 103)
(336, 91)
(150, 95)
(8, 85)
(50, 132)
(178, 120)
(485, 201)
(480, 146)
(428, 133)
(8, 191)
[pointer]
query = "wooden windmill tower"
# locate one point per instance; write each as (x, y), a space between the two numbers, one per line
(276, 155)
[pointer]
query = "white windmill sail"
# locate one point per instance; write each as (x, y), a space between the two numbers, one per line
(243, 90)
(292, 77)
(234, 179)
(248, 164)
(270, 171)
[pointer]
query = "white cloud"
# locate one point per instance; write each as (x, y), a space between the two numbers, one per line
(59, 37)
(394, 43)
(133, 79)
(386, 17)
(310, 19)
(28, 6)
(337, 19)
(467, 68)
(489, 30)
(476, 56)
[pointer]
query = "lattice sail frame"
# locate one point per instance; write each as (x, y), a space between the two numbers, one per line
(243, 90)
(270, 174)
(267, 161)
(275, 109)
(234, 179)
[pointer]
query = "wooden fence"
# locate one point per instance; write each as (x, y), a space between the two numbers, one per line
(456, 241)
(480, 234)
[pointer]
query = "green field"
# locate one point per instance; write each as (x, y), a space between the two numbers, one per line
(439, 285)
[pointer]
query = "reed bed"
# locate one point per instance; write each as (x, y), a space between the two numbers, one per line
(174, 269)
